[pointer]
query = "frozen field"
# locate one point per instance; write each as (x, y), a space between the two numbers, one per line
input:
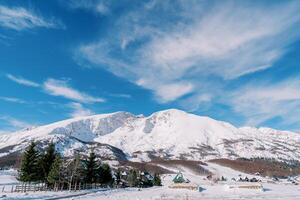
(272, 191)
(8, 177)
(211, 192)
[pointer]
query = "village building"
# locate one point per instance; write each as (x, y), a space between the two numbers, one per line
(179, 182)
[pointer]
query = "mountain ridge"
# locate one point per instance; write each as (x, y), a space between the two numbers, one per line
(167, 134)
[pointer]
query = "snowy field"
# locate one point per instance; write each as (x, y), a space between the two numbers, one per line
(8, 177)
(273, 191)
(213, 191)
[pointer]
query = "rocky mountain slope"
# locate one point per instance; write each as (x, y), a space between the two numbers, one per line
(168, 134)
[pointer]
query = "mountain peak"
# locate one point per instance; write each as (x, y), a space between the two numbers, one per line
(170, 133)
(171, 111)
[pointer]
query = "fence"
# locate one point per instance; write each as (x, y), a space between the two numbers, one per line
(30, 187)
(34, 187)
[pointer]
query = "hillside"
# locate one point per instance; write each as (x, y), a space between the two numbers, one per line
(168, 134)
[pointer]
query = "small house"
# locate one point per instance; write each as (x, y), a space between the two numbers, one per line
(179, 182)
(253, 179)
(180, 179)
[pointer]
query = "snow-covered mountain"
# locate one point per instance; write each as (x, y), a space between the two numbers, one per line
(169, 134)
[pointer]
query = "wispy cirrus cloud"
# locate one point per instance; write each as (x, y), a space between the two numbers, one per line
(78, 110)
(2, 132)
(97, 6)
(19, 18)
(14, 124)
(61, 88)
(191, 52)
(120, 95)
(22, 81)
(156, 47)
(264, 101)
(13, 100)
(169, 92)
(55, 87)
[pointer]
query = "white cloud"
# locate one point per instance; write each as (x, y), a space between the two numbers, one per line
(78, 110)
(197, 102)
(261, 102)
(2, 132)
(14, 123)
(61, 88)
(170, 92)
(193, 42)
(249, 40)
(102, 8)
(18, 18)
(54, 87)
(18, 123)
(22, 81)
(97, 6)
(13, 100)
(126, 96)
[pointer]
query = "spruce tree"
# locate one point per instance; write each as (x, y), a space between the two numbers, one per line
(90, 168)
(105, 174)
(132, 178)
(55, 171)
(145, 180)
(48, 159)
(118, 177)
(156, 180)
(30, 170)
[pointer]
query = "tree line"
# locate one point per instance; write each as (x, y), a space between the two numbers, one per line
(38, 165)
(51, 168)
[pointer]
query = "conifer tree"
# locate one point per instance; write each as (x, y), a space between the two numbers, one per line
(55, 171)
(118, 177)
(48, 159)
(90, 168)
(105, 174)
(145, 180)
(30, 170)
(132, 178)
(156, 180)
(141, 180)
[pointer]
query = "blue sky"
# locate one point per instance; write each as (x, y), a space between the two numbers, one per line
(236, 61)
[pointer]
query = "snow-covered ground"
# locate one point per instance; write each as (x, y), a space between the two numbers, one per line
(8, 177)
(272, 191)
(211, 192)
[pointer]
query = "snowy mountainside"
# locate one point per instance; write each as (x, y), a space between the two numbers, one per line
(168, 134)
